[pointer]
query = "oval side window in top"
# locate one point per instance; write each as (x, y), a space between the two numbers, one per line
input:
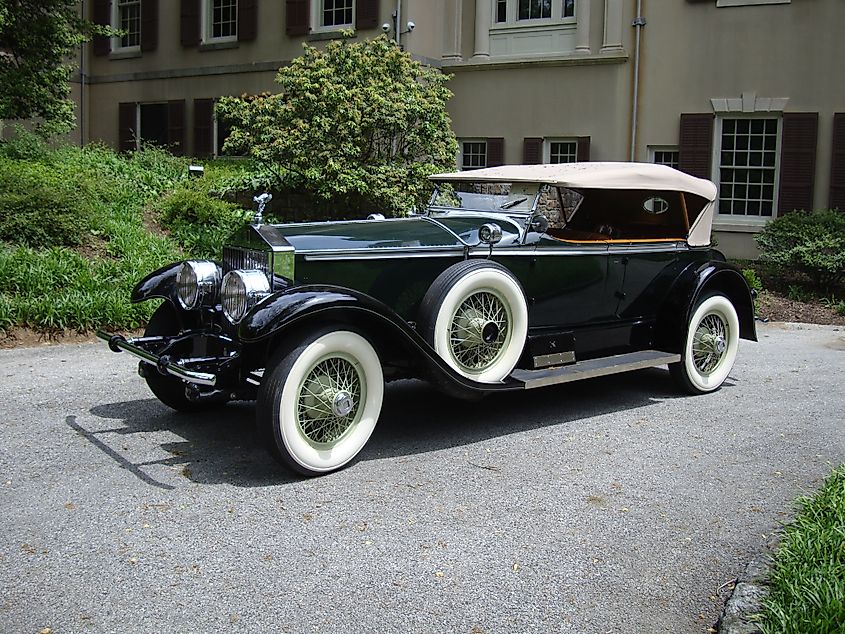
(656, 205)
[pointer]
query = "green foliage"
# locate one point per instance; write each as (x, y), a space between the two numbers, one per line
(40, 206)
(24, 144)
(753, 280)
(54, 287)
(40, 39)
(199, 222)
(808, 574)
(358, 126)
(811, 243)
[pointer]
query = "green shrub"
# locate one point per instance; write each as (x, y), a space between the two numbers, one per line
(41, 206)
(199, 222)
(811, 243)
(24, 145)
(753, 280)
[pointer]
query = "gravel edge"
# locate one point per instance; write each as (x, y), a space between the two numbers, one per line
(743, 609)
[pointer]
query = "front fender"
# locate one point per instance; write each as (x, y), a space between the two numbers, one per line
(691, 285)
(299, 305)
(160, 283)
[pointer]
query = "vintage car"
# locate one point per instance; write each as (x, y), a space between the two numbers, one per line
(515, 277)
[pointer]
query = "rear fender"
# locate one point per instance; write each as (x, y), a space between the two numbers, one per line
(694, 283)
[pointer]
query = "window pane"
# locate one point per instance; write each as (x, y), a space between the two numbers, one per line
(502, 11)
(129, 20)
(224, 18)
(563, 152)
(750, 190)
(337, 12)
(474, 154)
(568, 8)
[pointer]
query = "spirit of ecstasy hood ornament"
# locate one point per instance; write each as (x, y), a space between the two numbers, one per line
(262, 200)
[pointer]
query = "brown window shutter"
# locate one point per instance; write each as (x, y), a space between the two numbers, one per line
(176, 126)
(149, 25)
(296, 17)
(366, 14)
(203, 127)
(532, 151)
(582, 149)
(798, 161)
(495, 151)
(126, 125)
(189, 23)
(837, 164)
(695, 144)
(247, 20)
(101, 14)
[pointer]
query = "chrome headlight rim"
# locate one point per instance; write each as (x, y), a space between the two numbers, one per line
(198, 284)
(240, 291)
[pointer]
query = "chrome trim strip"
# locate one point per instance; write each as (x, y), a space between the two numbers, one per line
(118, 343)
(556, 358)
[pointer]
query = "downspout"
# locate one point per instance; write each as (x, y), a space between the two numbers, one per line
(82, 85)
(398, 23)
(638, 23)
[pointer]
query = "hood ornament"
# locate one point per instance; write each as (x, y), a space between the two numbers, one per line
(262, 200)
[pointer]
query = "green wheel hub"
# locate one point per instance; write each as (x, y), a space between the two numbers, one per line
(329, 402)
(479, 331)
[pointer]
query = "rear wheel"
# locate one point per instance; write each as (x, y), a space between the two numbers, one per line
(168, 389)
(320, 401)
(476, 318)
(710, 347)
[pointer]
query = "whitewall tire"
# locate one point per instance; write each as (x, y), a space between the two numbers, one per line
(710, 346)
(319, 404)
(476, 319)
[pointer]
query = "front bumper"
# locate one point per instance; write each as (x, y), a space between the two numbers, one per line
(164, 363)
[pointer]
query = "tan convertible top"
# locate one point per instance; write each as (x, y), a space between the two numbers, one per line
(596, 175)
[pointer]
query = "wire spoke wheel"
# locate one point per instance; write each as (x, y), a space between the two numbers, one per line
(710, 343)
(329, 401)
(479, 331)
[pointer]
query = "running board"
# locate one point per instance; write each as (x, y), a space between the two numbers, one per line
(593, 368)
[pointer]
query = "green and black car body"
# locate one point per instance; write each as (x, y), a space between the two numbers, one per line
(515, 277)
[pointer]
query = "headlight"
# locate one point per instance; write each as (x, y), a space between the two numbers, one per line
(241, 291)
(197, 284)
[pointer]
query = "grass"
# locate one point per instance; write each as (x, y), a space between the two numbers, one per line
(56, 287)
(808, 575)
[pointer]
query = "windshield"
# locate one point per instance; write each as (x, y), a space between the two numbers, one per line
(512, 198)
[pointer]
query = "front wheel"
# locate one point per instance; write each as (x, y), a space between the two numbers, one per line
(710, 346)
(320, 401)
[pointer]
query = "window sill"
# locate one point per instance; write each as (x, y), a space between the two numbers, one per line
(531, 25)
(222, 45)
(126, 53)
(733, 226)
(746, 3)
(334, 34)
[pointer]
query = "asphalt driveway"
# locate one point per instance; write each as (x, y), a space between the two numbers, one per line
(613, 505)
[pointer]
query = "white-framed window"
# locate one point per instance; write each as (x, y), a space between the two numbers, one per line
(533, 12)
(473, 154)
(126, 16)
(332, 15)
(747, 165)
(668, 155)
(560, 150)
(220, 21)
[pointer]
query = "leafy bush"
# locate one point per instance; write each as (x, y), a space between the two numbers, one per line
(358, 127)
(24, 144)
(753, 280)
(199, 222)
(41, 206)
(811, 243)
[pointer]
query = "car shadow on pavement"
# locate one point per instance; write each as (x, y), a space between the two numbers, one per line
(221, 446)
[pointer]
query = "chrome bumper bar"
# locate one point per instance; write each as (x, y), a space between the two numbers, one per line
(119, 343)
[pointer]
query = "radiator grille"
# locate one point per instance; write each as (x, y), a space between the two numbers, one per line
(236, 258)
